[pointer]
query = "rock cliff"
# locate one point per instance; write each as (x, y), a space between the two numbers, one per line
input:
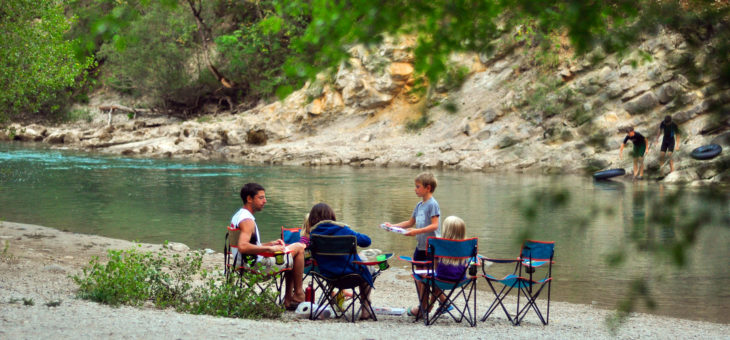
(501, 113)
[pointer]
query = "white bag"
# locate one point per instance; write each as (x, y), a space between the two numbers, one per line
(304, 309)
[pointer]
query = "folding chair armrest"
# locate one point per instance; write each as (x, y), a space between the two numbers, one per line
(409, 259)
(535, 263)
(375, 263)
(270, 254)
(485, 259)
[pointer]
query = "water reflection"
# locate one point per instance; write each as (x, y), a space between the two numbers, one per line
(192, 202)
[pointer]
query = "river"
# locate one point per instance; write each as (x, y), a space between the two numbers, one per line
(607, 234)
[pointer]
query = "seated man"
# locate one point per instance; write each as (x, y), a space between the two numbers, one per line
(249, 243)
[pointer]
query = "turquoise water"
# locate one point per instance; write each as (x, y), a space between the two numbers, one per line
(192, 202)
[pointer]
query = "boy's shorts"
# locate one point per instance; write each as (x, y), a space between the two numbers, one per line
(639, 150)
(667, 144)
(420, 255)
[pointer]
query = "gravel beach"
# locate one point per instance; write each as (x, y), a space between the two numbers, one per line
(36, 263)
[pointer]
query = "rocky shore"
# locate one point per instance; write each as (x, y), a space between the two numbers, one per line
(37, 262)
(507, 115)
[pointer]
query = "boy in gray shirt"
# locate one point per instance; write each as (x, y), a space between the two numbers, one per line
(425, 217)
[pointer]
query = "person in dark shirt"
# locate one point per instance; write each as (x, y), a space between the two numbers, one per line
(671, 134)
(640, 143)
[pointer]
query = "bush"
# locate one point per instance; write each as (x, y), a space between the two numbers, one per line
(155, 57)
(39, 69)
(224, 298)
(132, 278)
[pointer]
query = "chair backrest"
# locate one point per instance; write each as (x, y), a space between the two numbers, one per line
(452, 254)
(538, 250)
(444, 247)
(337, 248)
(290, 235)
(333, 245)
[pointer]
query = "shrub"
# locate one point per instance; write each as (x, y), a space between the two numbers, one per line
(418, 124)
(224, 298)
(132, 278)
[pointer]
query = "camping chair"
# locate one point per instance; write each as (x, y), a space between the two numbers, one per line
(239, 265)
(459, 288)
(534, 255)
(293, 235)
(342, 249)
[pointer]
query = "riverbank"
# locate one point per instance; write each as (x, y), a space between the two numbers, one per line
(37, 261)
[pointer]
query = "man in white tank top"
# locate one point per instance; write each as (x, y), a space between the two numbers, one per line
(253, 196)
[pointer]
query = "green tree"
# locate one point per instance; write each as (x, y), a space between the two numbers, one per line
(446, 26)
(156, 56)
(38, 69)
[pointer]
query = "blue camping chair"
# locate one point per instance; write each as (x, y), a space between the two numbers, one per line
(534, 256)
(293, 235)
(456, 284)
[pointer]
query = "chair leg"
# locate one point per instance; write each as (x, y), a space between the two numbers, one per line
(531, 304)
(499, 297)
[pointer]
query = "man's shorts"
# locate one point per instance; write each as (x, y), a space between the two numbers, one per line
(668, 144)
(639, 150)
(269, 263)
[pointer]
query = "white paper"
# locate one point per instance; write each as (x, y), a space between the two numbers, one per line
(393, 229)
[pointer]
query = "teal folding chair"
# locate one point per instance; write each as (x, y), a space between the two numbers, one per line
(532, 273)
(447, 274)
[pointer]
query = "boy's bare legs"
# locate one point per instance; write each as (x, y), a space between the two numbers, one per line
(671, 162)
(641, 167)
(636, 166)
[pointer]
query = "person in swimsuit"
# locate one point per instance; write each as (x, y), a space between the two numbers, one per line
(640, 143)
(671, 135)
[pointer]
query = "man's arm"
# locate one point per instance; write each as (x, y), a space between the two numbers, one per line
(621, 151)
(676, 134)
(246, 247)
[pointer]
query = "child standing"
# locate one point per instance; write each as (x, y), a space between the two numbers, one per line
(425, 216)
(425, 219)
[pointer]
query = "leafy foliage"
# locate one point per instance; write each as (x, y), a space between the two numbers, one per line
(155, 56)
(444, 27)
(39, 69)
(132, 278)
(255, 52)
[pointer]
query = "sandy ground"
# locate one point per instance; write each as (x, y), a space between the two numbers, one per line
(35, 263)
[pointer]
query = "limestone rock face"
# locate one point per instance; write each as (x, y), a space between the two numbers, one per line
(506, 115)
(641, 104)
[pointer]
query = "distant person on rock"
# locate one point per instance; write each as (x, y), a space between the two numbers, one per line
(669, 141)
(640, 143)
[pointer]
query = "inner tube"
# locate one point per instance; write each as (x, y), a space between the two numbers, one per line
(606, 174)
(708, 151)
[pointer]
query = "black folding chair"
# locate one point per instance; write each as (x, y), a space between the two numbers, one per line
(339, 252)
